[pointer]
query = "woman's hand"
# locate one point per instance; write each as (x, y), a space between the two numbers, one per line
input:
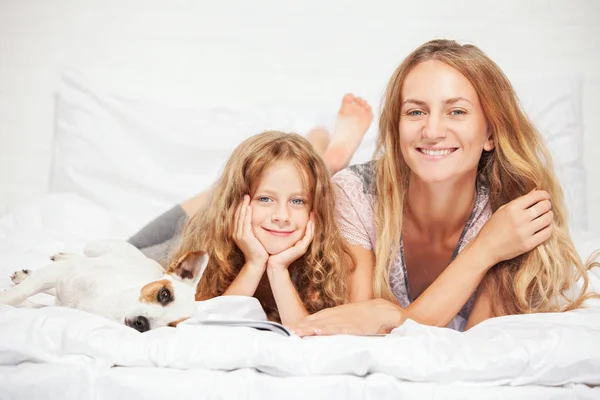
(281, 261)
(254, 252)
(517, 227)
(369, 317)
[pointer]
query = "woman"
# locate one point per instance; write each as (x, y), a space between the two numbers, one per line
(452, 197)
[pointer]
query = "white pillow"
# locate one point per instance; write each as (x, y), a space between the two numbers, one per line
(138, 157)
(554, 106)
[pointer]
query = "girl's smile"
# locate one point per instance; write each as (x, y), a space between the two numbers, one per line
(278, 233)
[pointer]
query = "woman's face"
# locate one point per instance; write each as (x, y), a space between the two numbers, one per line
(442, 127)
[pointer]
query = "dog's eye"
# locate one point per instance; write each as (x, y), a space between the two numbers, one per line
(164, 296)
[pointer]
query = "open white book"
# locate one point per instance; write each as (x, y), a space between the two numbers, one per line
(235, 311)
(260, 325)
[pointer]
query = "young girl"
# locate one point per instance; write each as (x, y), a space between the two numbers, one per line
(269, 228)
(353, 119)
(452, 197)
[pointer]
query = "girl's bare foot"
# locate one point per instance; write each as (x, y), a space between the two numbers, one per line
(352, 122)
(319, 138)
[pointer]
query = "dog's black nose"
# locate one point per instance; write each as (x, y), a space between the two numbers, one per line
(139, 323)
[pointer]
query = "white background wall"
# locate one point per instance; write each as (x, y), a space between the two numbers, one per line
(265, 51)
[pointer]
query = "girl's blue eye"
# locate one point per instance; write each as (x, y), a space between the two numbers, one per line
(457, 112)
(415, 113)
(298, 202)
(263, 199)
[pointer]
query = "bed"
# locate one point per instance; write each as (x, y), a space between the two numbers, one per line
(119, 161)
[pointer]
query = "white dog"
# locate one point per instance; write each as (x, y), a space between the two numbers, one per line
(115, 280)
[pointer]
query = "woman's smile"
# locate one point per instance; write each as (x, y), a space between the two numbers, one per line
(436, 153)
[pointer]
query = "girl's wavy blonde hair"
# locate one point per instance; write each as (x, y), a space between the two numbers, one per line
(533, 282)
(321, 276)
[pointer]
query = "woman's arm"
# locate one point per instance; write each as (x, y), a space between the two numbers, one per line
(444, 298)
(513, 229)
(376, 316)
(361, 281)
(436, 306)
(482, 309)
(364, 315)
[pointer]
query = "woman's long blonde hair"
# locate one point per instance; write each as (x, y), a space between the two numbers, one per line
(321, 276)
(533, 282)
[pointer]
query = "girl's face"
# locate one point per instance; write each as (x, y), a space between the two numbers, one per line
(280, 207)
(443, 130)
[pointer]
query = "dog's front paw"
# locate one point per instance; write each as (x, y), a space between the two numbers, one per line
(19, 276)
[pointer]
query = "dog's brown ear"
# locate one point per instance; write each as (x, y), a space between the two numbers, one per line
(190, 267)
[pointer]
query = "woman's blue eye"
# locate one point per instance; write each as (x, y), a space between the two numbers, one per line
(298, 202)
(457, 112)
(415, 113)
(264, 199)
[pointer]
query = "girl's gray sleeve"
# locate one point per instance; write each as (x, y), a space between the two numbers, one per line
(163, 228)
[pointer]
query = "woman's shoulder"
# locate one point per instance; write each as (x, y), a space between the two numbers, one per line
(480, 214)
(359, 175)
(482, 205)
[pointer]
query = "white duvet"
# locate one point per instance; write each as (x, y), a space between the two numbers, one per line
(541, 350)
(549, 349)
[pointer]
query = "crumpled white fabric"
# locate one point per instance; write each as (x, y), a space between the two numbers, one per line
(544, 349)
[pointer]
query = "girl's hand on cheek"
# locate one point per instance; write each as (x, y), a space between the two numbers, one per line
(283, 260)
(517, 227)
(253, 250)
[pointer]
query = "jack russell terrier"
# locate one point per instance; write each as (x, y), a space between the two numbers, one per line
(115, 280)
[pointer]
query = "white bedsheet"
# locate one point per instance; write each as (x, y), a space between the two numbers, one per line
(74, 382)
(532, 356)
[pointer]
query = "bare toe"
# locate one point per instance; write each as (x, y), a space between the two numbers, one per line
(357, 108)
(348, 98)
(348, 104)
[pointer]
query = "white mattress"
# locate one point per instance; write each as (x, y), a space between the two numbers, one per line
(74, 382)
(64, 353)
